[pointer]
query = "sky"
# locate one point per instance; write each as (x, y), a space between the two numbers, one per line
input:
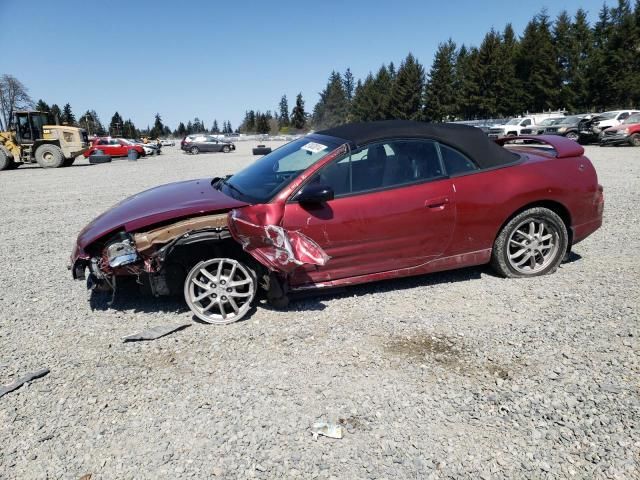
(215, 60)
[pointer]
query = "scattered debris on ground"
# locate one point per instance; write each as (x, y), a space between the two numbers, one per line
(155, 332)
(325, 429)
(22, 380)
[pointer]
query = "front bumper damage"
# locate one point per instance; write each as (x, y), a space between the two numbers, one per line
(618, 139)
(256, 228)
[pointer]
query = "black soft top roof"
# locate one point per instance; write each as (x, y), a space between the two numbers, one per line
(471, 141)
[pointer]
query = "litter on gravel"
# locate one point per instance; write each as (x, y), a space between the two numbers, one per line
(155, 332)
(4, 389)
(325, 429)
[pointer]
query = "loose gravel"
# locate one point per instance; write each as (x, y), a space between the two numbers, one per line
(453, 375)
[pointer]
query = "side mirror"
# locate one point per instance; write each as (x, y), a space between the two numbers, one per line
(315, 193)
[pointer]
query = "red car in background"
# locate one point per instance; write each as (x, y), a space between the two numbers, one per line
(628, 132)
(114, 147)
(353, 204)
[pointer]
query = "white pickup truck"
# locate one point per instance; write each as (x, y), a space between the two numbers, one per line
(514, 126)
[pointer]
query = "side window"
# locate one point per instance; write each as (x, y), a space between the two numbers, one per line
(103, 142)
(455, 162)
(526, 123)
(623, 116)
(382, 165)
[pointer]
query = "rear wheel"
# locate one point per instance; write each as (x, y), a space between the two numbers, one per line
(220, 290)
(194, 150)
(635, 140)
(225, 149)
(533, 243)
(49, 156)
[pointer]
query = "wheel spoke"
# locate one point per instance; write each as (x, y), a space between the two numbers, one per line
(220, 265)
(240, 294)
(203, 295)
(239, 283)
(541, 229)
(211, 304)
(520, 244)
(523, 260)
(518, 253)
(546, 237)
(532, 229)
(222, 311)
(233, 271)
(200, 284)
(233, 304)
(532, 263)
(206, 273)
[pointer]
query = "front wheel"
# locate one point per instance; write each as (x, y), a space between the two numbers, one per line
(194, 150)
(49, 156)
(225, 149)
(533, 243)
(635, 140)
(220, 290)
(573, 136)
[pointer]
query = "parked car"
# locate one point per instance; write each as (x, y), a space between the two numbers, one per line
(205, 143)
(353, 204)
(167, 143)
(514, 127)
(627, 132)
(567, 127)
(540, 128)
(592, 131)
(114, 147)
(150, 148)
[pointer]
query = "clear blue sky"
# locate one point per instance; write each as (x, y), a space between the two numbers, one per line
(215, 59)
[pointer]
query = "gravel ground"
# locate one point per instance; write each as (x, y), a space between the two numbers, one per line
(453, 375)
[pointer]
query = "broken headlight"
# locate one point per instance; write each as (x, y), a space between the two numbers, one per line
(121, 253)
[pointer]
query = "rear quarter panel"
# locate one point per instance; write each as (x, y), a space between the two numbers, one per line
(487, 200)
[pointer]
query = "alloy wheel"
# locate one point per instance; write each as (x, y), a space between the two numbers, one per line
(219, 290)
(533, 245)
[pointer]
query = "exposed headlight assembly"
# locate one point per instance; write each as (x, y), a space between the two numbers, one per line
(121, 253)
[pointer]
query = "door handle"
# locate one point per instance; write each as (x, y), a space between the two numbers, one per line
(439, 202)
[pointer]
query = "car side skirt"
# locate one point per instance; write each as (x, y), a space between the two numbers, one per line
(479, 257)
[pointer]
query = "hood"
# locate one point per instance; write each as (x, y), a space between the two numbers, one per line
(166, 202)
(622, 126)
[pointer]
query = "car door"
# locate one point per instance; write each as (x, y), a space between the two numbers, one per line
(393, 209)
(105, 145)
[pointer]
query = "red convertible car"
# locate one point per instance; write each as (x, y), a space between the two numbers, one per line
(348, 205)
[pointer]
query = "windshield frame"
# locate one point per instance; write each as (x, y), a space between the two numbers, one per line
(235, 189)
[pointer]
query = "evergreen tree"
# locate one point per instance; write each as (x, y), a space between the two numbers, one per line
(55, 113)
(537, 65)
(509, 100)
(283, 119)
(129, 130)
(181, 131)
(488, 75)
(563, 42)
(466, 82)
(42, 106)
(115, 126)
(349, 84)
(407, 91)
(298, 115)
(600, 95)
(91, 122)
(333, 107)
(190, 128)
(362, 104)
(440, 93)
(215, 128)
(624, 48)
(67, 115)
(581, 47)
(158, 127)
(392, 71)
(262, 123)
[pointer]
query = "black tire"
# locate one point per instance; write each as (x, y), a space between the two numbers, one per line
(500, 256)
(573, 136)
(261, 150)
(133, 154)
(95, 159)
(635, 140)
(194, 150)
(49, 156)
(5, 161)
(68, 162)
(226, 149)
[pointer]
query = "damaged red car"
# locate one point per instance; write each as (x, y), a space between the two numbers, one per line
(348, 205)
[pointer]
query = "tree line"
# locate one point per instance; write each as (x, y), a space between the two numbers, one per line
(561, 64)
(278, 121)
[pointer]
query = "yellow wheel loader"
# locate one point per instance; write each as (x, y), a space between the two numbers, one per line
(31, 139)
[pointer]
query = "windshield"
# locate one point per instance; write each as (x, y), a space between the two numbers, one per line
(635, 118)
(514, 121)
(574, 120)
(261, 180)
(607, 115)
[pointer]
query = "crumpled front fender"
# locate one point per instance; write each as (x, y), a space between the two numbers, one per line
(257, 229)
